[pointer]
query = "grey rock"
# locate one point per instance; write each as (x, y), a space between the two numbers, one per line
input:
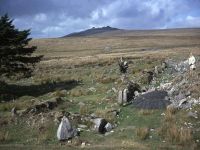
(13, 112)
(183, 101)
(108, 127)
(99, 125)
(92, 89)
(114, 90)
(125, 91)
(82, 126)
(188, 93)
(120, 97)
(191, 114)
(65, 130)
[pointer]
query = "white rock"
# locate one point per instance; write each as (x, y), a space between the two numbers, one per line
(108, 127)
(163, 114)
(83, 144)
(65, 130)
(114, 89)
(182, 101)
(120, 97)
(125, 91)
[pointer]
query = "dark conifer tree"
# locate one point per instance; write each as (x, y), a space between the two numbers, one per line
(15, 53)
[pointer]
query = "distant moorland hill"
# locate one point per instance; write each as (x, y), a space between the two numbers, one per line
(92, 31)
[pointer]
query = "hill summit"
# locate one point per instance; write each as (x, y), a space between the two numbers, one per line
(92, 31)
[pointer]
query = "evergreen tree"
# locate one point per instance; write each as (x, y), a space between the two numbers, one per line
(15, 53)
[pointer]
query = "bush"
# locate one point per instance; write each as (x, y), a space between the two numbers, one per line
(145, 112)
(173, 133)
(142, 133)
(4, 135)
(84, 110)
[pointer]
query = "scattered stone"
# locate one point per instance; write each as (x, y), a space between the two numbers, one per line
(183, 101)
(192, 114)
(152, 100)
(82, 126)
(13, 112)
(43, 107)
(188, 93)
(65, 130)
(108, 127)
(81, 104)
(83, 144)
(99, 125)
(152, 130)
(136, 93)
(92, 89)
(125, 100)
(102, 126)
(123, 65)
(163, 114)
(120, 97)
(114, 90)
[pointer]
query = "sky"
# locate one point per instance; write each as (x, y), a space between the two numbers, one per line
(56, 18)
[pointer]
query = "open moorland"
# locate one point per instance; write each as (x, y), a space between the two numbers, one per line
(83, 73)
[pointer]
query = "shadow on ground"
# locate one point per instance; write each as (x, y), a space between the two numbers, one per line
(12, 91)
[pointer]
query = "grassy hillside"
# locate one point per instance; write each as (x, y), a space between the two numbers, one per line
(85, 70)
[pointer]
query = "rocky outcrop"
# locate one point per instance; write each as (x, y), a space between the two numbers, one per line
(43, 106)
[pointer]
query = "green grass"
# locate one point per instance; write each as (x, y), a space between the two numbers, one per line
(50, 81)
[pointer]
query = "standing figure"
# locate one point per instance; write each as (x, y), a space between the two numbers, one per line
(123, 67)
(192, 62)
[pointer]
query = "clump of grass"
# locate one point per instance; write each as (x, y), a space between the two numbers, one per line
(142, 133)
(4, 136)
(145, 112)
(173, 133)
(78, 92)
(106, 80)
(6, 106)
(46, 132)
(106, 114)
(169, 115)
(171, 110)
(84, 110)
(59, 93)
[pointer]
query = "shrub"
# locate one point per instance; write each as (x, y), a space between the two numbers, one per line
(171, 132)
(78, 92)
(84, 110)
(142, 133)
(106, 80)
(4, 136)
(106, 114)
(145, 112)
(169, 116)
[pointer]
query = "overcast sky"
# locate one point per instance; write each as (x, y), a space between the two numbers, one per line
(54, 18)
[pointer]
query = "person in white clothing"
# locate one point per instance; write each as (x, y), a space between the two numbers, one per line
(192, 61)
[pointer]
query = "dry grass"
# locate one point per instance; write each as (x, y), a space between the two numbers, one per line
(4, 136)
(173, 132)
(145, 112)
(106, 114)
(84, 110)
(169, 115)
(59, 93)
(106, 80)
(78, 92)
(142, 133)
